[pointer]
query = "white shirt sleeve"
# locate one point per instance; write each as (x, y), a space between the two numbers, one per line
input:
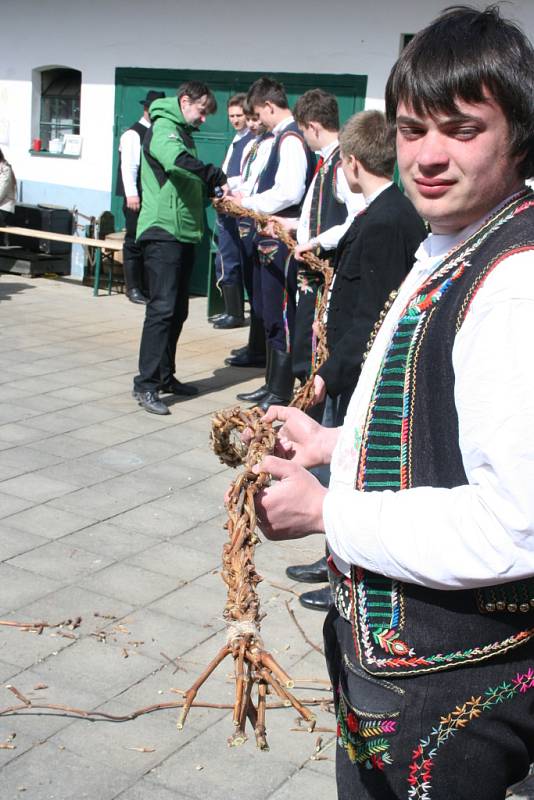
(481, 533)
(330, 238)
(130, 149)
(289, 183)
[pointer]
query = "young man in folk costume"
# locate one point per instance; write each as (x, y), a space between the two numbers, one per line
(327, 211)
(228, 265)
(280, 190)
(372, 259)
(430, 510)
(255, 156)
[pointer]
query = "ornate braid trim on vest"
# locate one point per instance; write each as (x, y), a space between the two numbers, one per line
(404, 629)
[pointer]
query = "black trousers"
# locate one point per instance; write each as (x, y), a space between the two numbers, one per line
(132, 252)
(168, 266)
(459, 734)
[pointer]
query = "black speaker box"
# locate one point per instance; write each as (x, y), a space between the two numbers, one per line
(55, 219)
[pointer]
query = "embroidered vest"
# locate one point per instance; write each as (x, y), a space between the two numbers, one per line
(326, 210)
(410, 439)
(233, 167)
(266, 180)
(141, 131)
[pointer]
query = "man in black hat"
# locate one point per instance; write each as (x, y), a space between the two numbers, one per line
(129, 187)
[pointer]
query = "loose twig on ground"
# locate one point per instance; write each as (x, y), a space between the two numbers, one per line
(302, 631)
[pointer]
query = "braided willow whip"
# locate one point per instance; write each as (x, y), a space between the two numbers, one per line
(303, 397)
(253, 665)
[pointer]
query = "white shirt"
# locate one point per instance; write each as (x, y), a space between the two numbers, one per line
(130, 150)
(329, 238)
(290, 179)
(474, 535)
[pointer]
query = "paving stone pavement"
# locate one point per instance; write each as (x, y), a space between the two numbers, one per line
(115, 515)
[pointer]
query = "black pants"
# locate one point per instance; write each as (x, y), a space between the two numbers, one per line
(167, 266)
(459, 734)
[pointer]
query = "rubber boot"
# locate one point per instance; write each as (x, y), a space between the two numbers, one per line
(281, 380)
(233, 303)
(262, 391)
(132, 281)
(254, 355)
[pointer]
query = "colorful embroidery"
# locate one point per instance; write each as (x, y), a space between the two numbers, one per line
(385, 462)
(364, 736)
(423, 757)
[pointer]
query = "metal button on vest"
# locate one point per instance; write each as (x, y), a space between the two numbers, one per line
(524, 607)
(501, 606)
(512, 607)
(490, 607)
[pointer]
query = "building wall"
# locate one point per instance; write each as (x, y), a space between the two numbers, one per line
(341, 36)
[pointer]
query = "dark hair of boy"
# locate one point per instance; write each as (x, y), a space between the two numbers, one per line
(237, 100)
(195, 90)
(267, 90)
(430, 78)
(371, 139)
(316, 105)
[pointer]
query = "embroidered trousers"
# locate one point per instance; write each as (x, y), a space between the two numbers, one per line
(274, 290)
(459, 734)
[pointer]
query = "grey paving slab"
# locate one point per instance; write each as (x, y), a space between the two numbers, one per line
(104, 433)
(70, 778)
(133, 747)
(47, 521)
(13, 542)
(130, 584)
(194, 770)
(193, 602)
(95, 503)
(306, 783)
(175, 560)
(17, 433)
(153, 520)
(7, 671)
(98, 667)
(115, 543)
(19, 587)
(65, 446)
(36, 487)
(60, 561)
(145, 789)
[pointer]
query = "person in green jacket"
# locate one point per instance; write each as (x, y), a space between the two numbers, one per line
(174, 182)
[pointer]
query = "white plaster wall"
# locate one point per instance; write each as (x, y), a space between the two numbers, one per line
(338, 36)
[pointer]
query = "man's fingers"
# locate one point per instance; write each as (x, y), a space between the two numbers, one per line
(281, 413)
(277, 467)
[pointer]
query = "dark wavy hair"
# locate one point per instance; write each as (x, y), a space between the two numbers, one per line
(316, 105)
(459, 55)
(195, 90)
(267, 90)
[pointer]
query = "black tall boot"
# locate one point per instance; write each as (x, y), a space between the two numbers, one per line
(262, 391)
(254, 355)
(132, 281)
(281, 380)
(233, 303)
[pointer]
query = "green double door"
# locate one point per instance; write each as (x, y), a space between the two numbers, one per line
(213, 139)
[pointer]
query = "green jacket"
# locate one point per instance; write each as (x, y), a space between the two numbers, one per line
(172, 177)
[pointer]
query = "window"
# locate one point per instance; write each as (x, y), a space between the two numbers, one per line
(60, 104)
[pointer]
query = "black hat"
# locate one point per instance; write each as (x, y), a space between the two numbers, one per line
(151, 96)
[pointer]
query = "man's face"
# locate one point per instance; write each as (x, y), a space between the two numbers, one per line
(194, 111)
(254, 125)
(237, 118)
(456, 168)
(309, 133)
(265, 116)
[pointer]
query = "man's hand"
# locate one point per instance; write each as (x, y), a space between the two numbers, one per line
(226, 190)
(300, 439)
(133, 203)
(319, 390)
(237, 197)
(292, 507)
(303, 248)
(288, 223)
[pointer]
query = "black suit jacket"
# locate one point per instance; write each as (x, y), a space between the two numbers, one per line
(372, 259)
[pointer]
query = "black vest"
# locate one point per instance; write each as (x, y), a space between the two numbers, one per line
(141, 131)
(326, 210)
(233, 168)
(411, 440)
(268, 174)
